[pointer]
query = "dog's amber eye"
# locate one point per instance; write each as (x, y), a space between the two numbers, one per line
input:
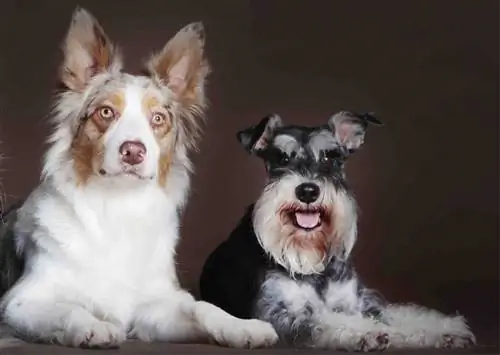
(158, 119)
(106, 112)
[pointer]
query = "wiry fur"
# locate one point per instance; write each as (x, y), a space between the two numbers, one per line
(293, 253)
(97, 237)
(299, 278)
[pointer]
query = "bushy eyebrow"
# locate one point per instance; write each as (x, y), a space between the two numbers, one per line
(322, 141)
(286, 143)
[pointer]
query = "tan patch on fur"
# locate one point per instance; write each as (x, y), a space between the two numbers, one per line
(164, 167)
(87, 147)
(307, 241)
(116, 101)
(149, 103)
(87, 150)
(164, 135)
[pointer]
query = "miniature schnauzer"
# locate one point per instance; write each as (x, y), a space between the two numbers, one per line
(287, 262)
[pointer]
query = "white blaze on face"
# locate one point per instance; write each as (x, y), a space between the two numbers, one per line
(133, 125)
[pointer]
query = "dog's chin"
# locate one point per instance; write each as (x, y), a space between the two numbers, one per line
(125, 175)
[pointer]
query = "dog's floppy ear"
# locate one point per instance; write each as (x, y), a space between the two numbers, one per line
(256, 138)
(350, 128)
(87, 51)
(181, 64)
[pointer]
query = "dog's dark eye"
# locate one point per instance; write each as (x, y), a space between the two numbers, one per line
(325, 159)
(284, 159)
(328, 157)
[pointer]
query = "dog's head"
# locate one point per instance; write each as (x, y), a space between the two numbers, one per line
(306, 213)
(121, 127)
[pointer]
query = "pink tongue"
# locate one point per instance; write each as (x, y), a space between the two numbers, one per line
(307, 220)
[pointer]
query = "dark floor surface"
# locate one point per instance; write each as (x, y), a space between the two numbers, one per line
(159, 348)
(486, 345)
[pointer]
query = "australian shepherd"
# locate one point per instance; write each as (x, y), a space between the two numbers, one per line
(97, 238)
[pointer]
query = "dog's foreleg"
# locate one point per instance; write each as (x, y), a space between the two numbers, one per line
(306, 327)
(226, 329)
(182, 319)
(413, 326)
(52, 321)
(350, 332)
(294, 325)
(168, 319)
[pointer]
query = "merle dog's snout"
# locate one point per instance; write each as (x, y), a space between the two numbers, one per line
(132, 152)
(307, 192)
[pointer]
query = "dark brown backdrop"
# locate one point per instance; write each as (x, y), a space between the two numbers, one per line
(427, 183)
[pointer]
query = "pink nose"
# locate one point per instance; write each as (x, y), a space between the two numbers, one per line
(132, 153)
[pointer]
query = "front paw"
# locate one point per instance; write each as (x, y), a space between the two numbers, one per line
(143, 333)
(245, 333)
(96, 334)
(373, 341)
(454, 341)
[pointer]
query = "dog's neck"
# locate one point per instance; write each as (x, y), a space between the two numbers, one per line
(335, 268)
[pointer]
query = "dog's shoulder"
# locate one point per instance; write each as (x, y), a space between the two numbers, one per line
(242, 244)
(231, 274)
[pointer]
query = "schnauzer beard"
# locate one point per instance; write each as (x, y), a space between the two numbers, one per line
(298, 250)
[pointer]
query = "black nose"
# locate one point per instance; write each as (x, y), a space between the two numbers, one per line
(307, 192)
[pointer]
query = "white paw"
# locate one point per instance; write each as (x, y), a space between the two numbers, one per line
(245, 333)
(97, 334)
(142, 333)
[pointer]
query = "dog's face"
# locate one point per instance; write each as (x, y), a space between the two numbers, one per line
(306, 213)
(114, 125)
(127, 129)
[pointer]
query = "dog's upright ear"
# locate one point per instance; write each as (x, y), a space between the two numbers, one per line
(181, 66)
(256, 138)
(350, 128)
(87, 51)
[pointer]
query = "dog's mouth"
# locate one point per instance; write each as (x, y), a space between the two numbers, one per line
(306, 218)
(125, 172)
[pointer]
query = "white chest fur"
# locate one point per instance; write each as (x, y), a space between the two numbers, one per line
(343, 296)
(107, 246)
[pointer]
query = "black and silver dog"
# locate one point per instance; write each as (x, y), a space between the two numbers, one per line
(287, 262)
